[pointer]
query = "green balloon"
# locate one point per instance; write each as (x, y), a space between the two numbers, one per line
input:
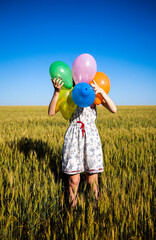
(61, 69)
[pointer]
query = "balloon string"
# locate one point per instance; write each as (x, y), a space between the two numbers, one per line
(82, 127)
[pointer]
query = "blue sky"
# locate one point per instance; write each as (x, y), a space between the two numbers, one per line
(120, 35)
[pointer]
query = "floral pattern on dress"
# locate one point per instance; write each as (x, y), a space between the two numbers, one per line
(82, 153)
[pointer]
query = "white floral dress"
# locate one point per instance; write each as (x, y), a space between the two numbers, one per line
(82, 151)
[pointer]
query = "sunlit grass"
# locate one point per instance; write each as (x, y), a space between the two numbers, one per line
(32, 199)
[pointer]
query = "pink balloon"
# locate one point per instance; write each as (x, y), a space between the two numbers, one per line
(84, 68)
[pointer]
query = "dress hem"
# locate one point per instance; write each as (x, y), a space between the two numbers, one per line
(81, 171)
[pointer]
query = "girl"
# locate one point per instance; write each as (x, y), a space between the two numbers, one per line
(82, 151)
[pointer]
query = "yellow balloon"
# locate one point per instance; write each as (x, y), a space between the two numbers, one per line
(62, 97)
(65, 103)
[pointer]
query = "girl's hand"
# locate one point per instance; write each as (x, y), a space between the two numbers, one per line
(57, 84)
(96, 88)
(107, 102)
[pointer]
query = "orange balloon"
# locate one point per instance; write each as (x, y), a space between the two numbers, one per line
(103, 82)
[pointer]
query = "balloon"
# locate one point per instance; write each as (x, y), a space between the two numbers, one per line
(103, 82)
(65, 103)
(83, 95)
(67, 108)
(84, 68)
(61, 69)
(62, 97)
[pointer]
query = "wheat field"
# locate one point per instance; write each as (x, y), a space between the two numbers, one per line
(33, 189)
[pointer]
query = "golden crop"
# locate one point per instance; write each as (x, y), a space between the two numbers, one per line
(33, 189)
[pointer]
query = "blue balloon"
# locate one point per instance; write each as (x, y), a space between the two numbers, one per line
(83, 95)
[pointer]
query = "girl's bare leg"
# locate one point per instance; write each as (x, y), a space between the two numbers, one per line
(73, 181)
(92, 181)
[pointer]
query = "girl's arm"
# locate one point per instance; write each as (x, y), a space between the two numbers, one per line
(107, 102)
(57, 87)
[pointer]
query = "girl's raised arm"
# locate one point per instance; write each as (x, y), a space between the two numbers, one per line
(107, 102)
(57, 87)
